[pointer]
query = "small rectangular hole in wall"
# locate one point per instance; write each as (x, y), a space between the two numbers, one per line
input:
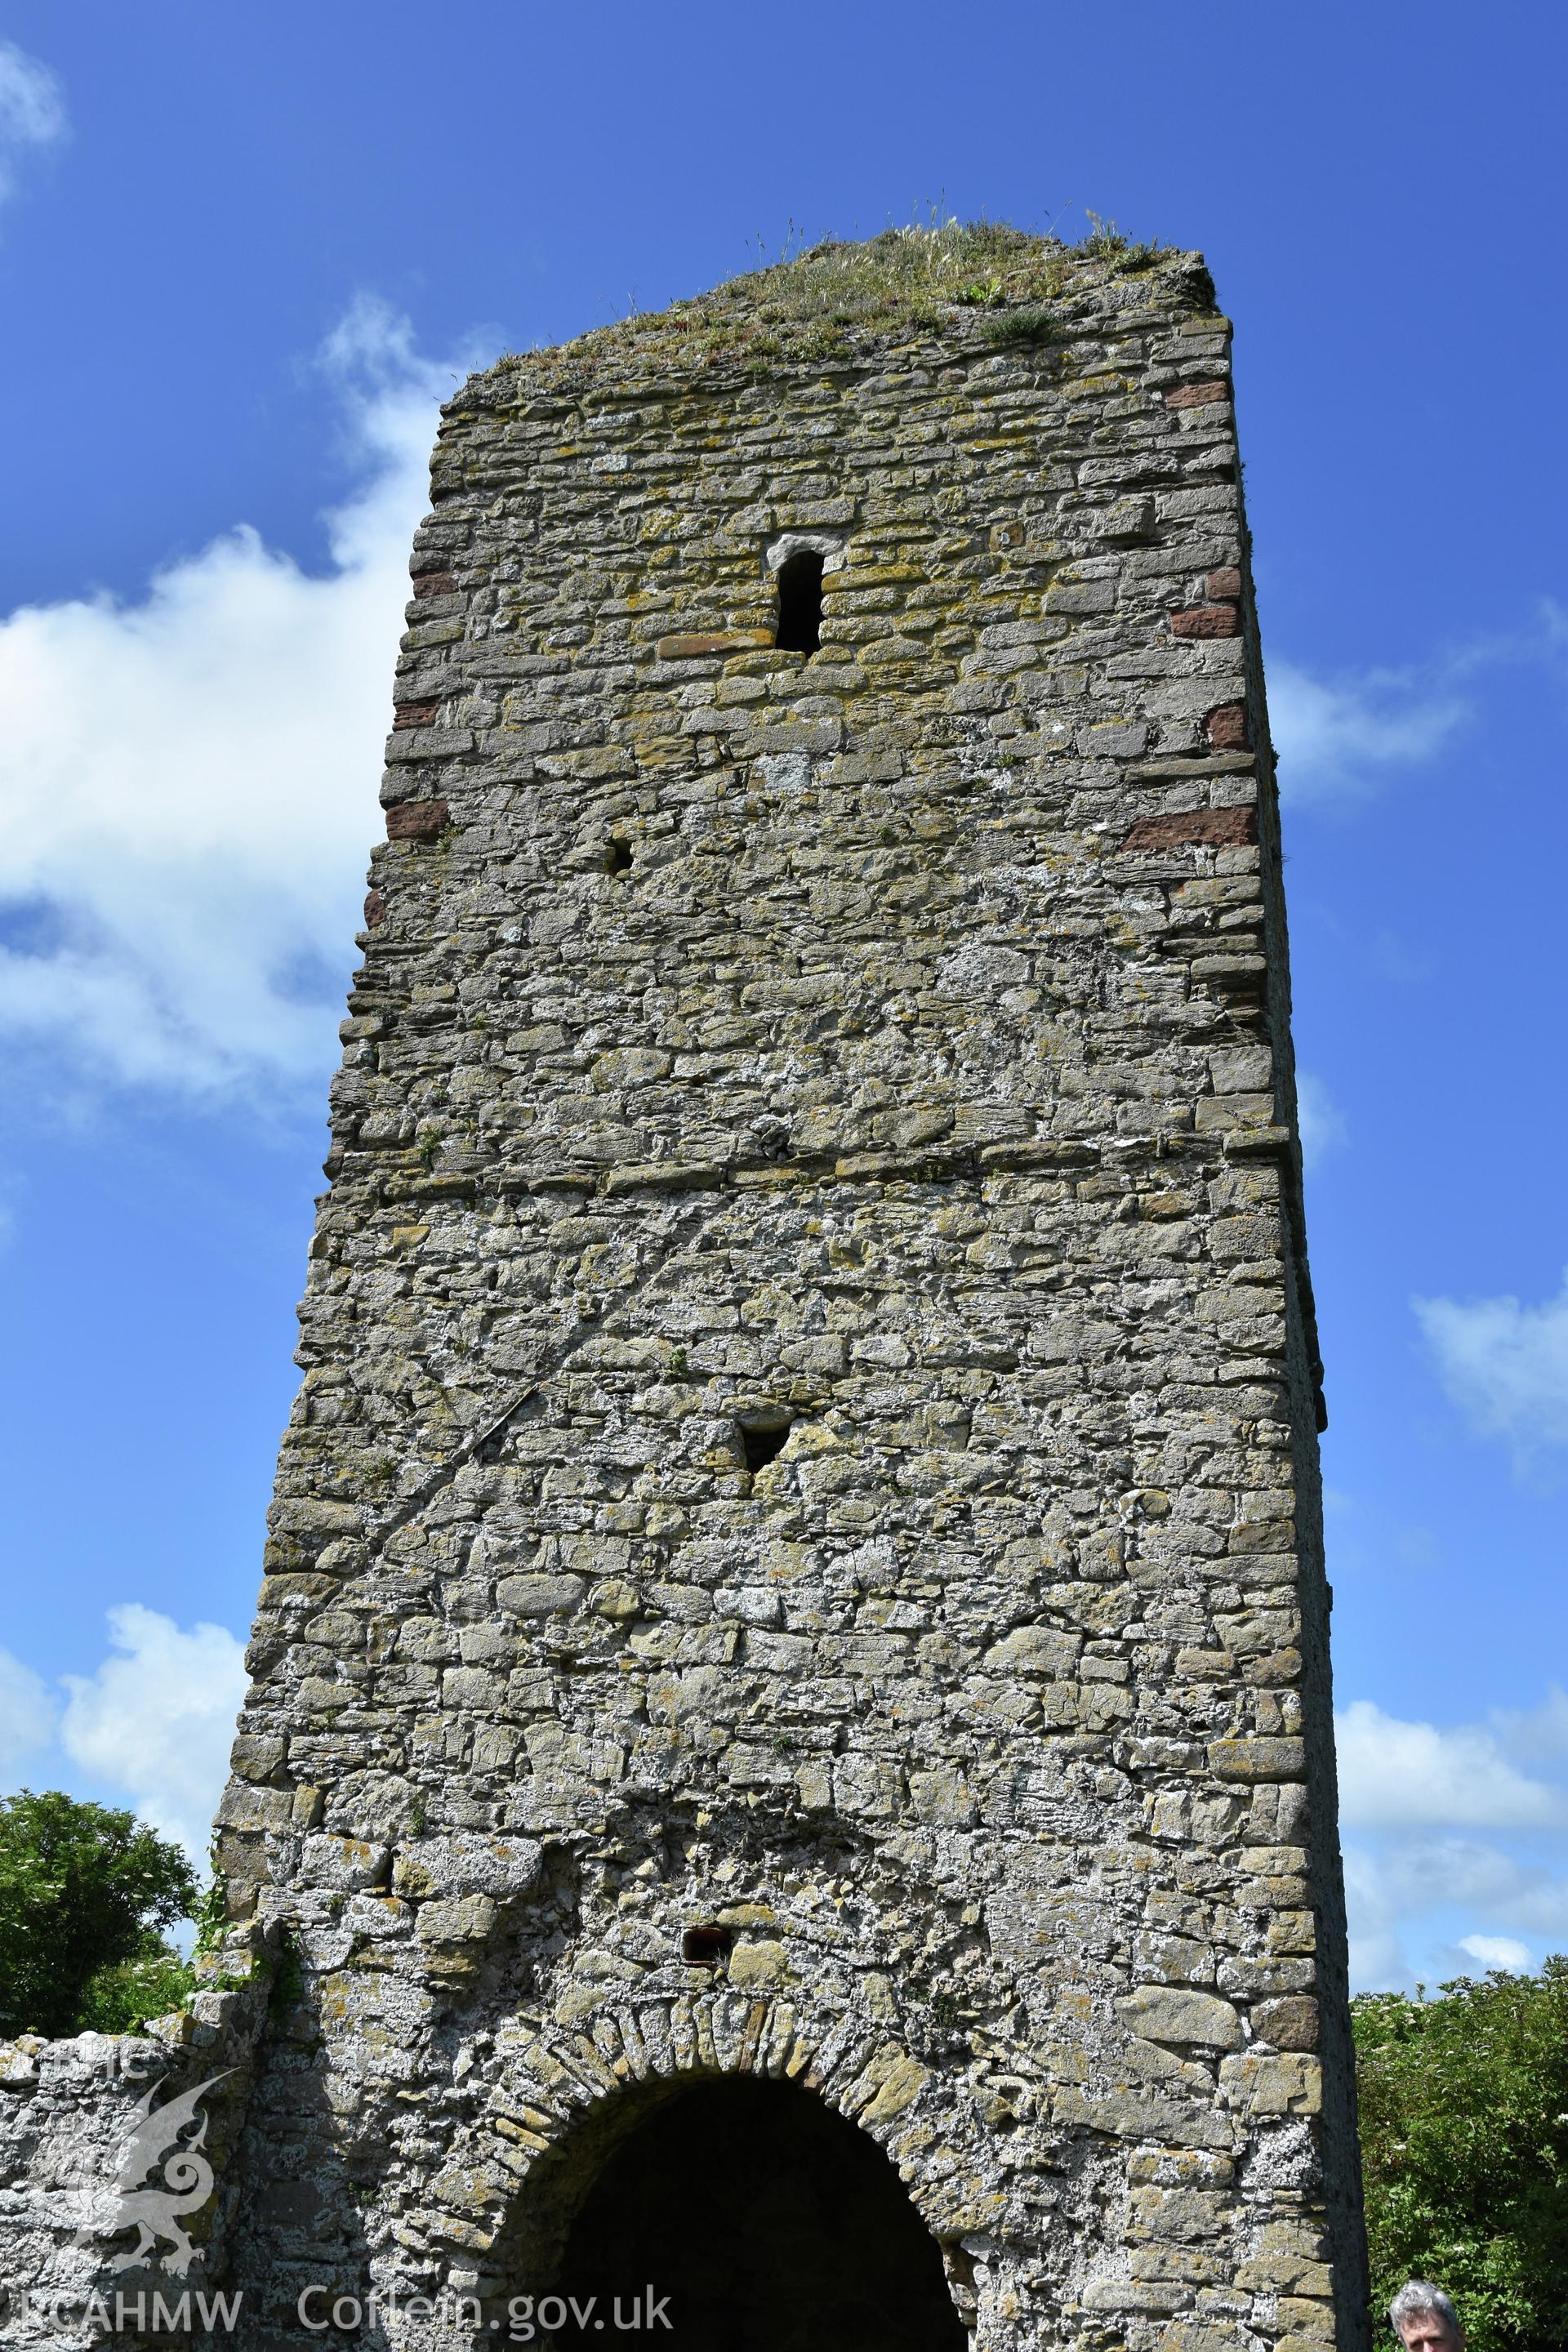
(617, 857)
(707, 1946)
(762, 1445)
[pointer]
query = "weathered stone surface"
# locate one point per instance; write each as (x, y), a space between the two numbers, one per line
(1207, 621)
(1227, 828)
(1167, 2013)
(68, 2113)
(416, 820)
(1290, 2024)
(451, 1865)
(808, 1429)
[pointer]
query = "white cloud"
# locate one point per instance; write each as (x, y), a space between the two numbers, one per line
(28, 1716)
(1320, 1119)
(1401, 1899)
(157, 1721)
(1404, 1775)
(1429, 1898)
(1497, 1951)
(32, 112)
(191, 778)
(1504, 1364)
(1336, 737)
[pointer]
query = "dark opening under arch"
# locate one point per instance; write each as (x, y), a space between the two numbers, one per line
(800, 602)
(772, 2225)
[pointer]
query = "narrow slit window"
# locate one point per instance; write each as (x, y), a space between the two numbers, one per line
(617, 857)
(800, 604)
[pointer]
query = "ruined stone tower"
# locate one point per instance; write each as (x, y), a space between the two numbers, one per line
(789, 1760)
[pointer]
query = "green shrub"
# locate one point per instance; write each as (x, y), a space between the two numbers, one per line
(1025, 326)
(121, 1999)
(1464, 2127)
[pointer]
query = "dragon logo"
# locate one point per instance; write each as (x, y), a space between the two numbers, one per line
(152, 2206)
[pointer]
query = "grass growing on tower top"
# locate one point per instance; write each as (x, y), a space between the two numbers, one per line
(839, 297)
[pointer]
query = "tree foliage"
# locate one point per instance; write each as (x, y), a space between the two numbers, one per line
(1464, 2127)
(83, 1892)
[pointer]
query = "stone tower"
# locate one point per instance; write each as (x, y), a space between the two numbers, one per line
(789, 1761)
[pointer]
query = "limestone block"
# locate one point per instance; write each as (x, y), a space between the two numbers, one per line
(467, 1864)
(19, 2061)
(1203, 2336)
(256, 1758)
(1290, 2024)
(1258, 1760)
(467, 1918)
(1034, 1649)
(942, 1796)
(1309, 2318)
(759, 1962)
(539, 1596)
(245, 1807)
(347, 1864)
(1172, 2013)
(1287, 2084)
(1184, 2215)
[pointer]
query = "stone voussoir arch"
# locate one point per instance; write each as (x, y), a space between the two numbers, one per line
(563, 2095)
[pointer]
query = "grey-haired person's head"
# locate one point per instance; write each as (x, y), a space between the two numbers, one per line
(1424, 2319)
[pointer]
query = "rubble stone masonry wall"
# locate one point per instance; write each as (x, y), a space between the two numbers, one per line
(883, 1050)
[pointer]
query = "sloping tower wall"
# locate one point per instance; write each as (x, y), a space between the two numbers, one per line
(798, 1551)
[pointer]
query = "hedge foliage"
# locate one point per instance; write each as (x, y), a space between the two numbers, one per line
(1463, 2128)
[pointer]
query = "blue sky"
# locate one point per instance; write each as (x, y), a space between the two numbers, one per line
(242, 254)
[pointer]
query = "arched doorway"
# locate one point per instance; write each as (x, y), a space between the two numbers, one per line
(770, 2224)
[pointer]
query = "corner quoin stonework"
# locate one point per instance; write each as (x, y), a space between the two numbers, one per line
(886, 1047)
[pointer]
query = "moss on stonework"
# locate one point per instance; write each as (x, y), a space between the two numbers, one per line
(981, 278)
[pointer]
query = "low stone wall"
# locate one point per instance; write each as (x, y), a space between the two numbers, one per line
(114, 2190)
